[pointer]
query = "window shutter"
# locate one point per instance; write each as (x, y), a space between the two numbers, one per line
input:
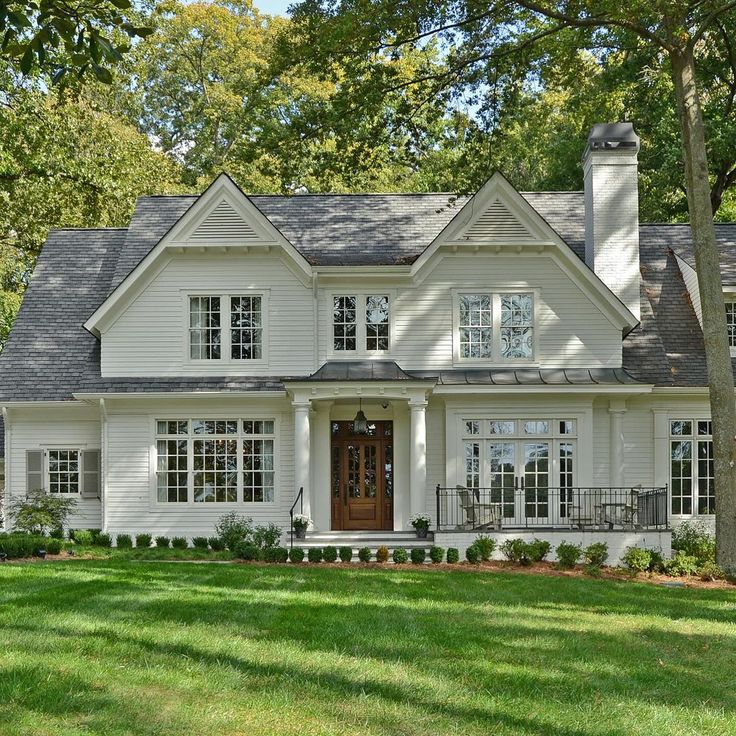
(34, 470)
(90, 473)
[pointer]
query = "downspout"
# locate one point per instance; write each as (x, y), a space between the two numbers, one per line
(6, 489)
(103, 463)
(315, 312)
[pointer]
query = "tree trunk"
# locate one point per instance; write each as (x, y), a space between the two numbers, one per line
(715, 334)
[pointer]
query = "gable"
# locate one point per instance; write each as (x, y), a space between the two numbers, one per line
(223, 222)
(497, 224)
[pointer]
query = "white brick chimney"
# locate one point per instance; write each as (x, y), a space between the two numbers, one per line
(612, 209)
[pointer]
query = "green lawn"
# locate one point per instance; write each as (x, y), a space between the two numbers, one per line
(111, 647)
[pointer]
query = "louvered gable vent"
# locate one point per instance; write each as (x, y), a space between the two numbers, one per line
(497, 224)
(225, 223)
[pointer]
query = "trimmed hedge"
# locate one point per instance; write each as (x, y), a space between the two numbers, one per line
(296, 554)
(18, 545)
(179, 543)
(163, 542)
(436, 554)
(453, 556)
(314, 554)
(143, 540)
(330, 554)
(400, 556)
(382, 553)
(200, 542)
(123, 541)
(346, 554)
(365, 554)
(418, 555)
(102, 540)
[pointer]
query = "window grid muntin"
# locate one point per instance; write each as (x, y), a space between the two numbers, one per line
(731, 323)
(237, 431)
(344, 323)
(517, 326)
(246, 327)
(205, 327)
(377, 320)
(692, 487)
(476, 326)
(215, 470)
(172, 469)
(63, 471)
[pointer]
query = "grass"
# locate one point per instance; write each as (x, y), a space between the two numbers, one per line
(150, 553)
(106, 647)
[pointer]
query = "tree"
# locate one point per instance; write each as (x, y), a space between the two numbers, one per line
(66, 36)
(40, 512)
(483, 40)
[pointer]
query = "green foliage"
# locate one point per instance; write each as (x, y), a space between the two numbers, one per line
(143, 541)
(123, 541)
(637, 560)
(266, 535)
(515, 550)
(436, 554)
(296, 554)
(216, 544)
(179, 543)
(453, 555)
(400, 556)
(163, 542)
(656, 563)
(277, 554)
(53, 546)
(83, 537)
(346, 554)
(485, 545)
(330, 554)
(537, 550)
(57, 533)
(710, 571)
(694, 539)
(39, 512)
(102, 540)
(365, 554)
(248, 551)
(472, 554)
(200, 542)
(17, 545)
(382, 553)
(314, 554)
(233, 528)
(595, 554)
(568, 555)
(418, 555)
(681, 564)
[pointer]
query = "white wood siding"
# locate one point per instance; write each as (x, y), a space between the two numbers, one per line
(570, 331)
(150, 338)
(690, 277)
(37, 429)
(131, 505)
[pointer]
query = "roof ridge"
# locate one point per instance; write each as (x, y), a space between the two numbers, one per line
(85, 229)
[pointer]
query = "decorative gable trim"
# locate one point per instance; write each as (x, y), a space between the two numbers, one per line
(498, 219)
(222, 217)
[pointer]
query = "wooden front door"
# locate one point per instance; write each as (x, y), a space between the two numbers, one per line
(362, 477)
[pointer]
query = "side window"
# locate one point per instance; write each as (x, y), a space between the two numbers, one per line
(476, 326)
(246, 328)
(344, 332)
(205, 333)
(517, 326)
(376, 323)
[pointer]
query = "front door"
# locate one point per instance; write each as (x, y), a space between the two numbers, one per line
(362, 477)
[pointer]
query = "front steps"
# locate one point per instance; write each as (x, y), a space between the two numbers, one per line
(371, 539)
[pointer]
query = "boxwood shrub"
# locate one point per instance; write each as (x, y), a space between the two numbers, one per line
(382, 553)
(330, 554)
(143, 540)
(346, 554)
(365, 554)
(248, 551)
(472, 554)
(296, 554)
(17, 545)
(400, 556)
(314, 554)
(436, 554)
(568, 555)
(418, 555)
(280, 554)
(453, 555)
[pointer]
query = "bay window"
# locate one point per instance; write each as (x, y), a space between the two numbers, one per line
(215, 460)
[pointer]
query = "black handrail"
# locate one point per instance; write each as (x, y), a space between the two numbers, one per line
(298, 500)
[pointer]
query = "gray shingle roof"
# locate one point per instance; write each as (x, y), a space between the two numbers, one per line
(50, 356)
(360, 370)
(530, 377)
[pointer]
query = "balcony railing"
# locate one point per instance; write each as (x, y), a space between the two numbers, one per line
(481, 509)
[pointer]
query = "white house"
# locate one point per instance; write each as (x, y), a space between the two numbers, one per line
(528, 363)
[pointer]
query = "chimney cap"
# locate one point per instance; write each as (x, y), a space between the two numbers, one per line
(612, 136)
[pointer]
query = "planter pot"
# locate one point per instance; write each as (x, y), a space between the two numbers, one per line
(422, 533)
(300, 532)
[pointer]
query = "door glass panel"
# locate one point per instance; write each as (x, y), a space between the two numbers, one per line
(388, 471)
(370, 469)
(566, 477)
(536, 479)
(502, 461)
(336, 471)
(353, 452)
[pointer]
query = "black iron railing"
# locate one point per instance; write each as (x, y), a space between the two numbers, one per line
(298, 500)
(463, 508)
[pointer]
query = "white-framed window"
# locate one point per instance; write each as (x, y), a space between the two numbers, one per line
(731, 322)
(215, 460)
(361, 323)
(692, 489)
(227, 327)
(492, 326)
(63, 471)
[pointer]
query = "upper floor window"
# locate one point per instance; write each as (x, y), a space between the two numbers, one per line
(209, 335)
(495, 326)
(731, 323)
(361, 322)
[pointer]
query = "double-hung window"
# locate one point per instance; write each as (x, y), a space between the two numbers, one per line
(361, 323)
(731, 322)
(215, 460)
(226, 327)
(63, 471)
(495, 327)
(691, 467)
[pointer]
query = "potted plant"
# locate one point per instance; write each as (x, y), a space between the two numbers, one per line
(421, 523)
(300, 524)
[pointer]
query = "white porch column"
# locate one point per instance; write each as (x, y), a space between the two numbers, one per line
(321, 467)
(302, 470)
(616, 410)
(418, 457)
